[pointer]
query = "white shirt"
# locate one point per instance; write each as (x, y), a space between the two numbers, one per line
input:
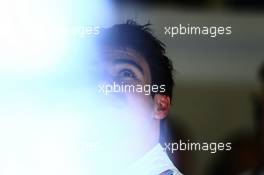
(154, 162)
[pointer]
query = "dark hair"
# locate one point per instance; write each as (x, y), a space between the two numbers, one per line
(139, 37)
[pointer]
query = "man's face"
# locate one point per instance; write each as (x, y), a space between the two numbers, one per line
(125, 120)
(129, 113)
(125, 71)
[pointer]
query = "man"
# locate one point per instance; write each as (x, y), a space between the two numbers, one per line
(135, 86)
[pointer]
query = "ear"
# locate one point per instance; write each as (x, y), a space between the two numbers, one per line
(161, 106)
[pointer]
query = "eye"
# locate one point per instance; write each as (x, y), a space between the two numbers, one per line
(127, 74)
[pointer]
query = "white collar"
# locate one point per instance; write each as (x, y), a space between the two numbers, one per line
(153, 162)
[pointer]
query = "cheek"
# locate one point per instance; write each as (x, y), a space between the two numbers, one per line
(141, 119)
(142, 105)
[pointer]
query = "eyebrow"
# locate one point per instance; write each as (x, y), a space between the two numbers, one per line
(131, 62)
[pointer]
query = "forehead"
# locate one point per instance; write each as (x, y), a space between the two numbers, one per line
(125, 58)
(110, 54)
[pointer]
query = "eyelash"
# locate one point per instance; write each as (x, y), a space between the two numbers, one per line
(127, 71)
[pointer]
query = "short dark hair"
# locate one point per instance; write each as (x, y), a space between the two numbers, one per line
(140, 38)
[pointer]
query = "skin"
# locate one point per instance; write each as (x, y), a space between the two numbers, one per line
(143, 113)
